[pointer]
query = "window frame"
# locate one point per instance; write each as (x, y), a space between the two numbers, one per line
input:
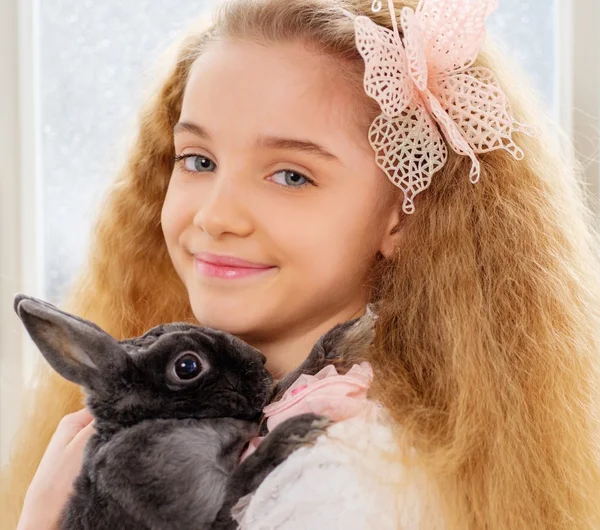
(20, 203)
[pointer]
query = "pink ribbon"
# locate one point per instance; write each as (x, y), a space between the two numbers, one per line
(326, 393)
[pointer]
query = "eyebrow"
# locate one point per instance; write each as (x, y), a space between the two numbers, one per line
(273, 142)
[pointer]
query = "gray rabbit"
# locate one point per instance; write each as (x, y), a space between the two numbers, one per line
(173, 411)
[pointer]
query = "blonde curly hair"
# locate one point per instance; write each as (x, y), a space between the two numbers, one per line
(488, 337)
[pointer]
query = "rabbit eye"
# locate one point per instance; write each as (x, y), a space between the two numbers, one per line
(187, 366)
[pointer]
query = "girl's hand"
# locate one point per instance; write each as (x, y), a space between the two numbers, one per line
(53, 481)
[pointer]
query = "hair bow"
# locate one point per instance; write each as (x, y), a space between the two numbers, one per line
(425, 80)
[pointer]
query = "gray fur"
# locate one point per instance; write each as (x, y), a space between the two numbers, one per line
(343, 345)
(165, 452)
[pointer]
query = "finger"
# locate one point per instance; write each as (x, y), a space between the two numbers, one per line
(82, 437)
(75, 450)
(82, 417)
(68, 428)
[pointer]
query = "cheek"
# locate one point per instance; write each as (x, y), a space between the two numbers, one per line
(336, 234)
(168, 220)
(175, 214)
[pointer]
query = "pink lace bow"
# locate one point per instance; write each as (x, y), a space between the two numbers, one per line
(427, 78)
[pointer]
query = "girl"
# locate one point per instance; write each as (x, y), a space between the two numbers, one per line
(487, 338)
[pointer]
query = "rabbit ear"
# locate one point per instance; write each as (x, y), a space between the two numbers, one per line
(77, 349)
(343, 345)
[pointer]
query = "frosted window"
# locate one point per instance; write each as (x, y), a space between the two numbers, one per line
(93, 54)
(92, 60)
(528, 31)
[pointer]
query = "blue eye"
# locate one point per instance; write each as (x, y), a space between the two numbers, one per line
(292, 179)
(199, 164)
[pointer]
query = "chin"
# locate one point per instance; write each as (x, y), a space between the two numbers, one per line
(227, 315)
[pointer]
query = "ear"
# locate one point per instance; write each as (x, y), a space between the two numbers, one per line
(77, 349)
(343, 344)
(393, 233)
(346, 340)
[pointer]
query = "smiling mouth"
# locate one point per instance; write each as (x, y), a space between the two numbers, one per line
(229, 261)
(229, 272)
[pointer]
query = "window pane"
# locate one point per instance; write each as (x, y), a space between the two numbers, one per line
(93, 54)
(527, 28)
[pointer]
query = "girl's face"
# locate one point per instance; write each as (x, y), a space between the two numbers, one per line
(276, 172)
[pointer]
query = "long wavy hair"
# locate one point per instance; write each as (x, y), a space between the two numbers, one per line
(488, 338)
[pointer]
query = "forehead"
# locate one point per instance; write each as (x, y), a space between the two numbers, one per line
(283, 88)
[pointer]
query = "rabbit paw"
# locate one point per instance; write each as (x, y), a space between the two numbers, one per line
(287, 437)
(294, 433)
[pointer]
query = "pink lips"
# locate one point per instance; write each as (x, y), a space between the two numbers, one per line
(227, 267)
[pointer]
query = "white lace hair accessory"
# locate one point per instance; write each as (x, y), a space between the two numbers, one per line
(425, 81)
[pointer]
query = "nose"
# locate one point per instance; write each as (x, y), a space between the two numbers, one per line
(223, 210)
